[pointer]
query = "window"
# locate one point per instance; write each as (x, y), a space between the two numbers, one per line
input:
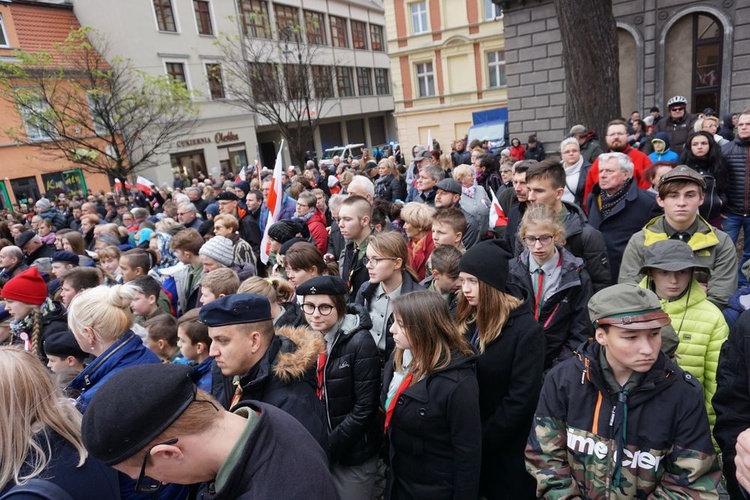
(287, 22)
(3, 34)
(264, 78)
(338, 32)
(359, 35)
(381, 81)
(364, 80)
(425, 79)
(492, 10)
(315, 26)
(254, 14)
(296, 81)
(345, 83)
(376, 37)
(98, 105)
(322, 81)
(164, 15)
(37, 127)
(418, 17)
(707, 54)
(215, 81)
(176, 72)
(496, 68)
(203, 17)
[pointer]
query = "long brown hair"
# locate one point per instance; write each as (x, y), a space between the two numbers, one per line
(432, 332)
(392, 245)
(490, 314)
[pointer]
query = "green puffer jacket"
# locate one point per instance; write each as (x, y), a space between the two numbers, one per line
(702, 330)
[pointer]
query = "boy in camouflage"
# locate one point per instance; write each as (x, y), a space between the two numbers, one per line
(621, 420)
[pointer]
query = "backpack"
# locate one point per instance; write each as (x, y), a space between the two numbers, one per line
(36, 489)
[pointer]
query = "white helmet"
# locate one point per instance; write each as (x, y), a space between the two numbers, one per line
(678, 99)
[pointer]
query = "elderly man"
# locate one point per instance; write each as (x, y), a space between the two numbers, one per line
(362, 186)
(33, 247)
(422, 158)
(12, 262)
(187, 215)
(194, 193)
(617, 208)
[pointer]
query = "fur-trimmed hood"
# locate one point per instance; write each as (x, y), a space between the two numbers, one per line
(298, 353)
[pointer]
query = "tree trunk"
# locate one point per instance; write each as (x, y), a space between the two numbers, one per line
(591, 58)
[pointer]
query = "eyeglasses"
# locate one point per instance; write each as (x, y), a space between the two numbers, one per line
(323, 309)
(366, 261)
(544, 240)
(303, 206)
(677, 109)
(146, 484)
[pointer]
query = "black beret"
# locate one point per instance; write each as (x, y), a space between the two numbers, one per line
(227, 195)
(24, 238)
(236, 309)
(133, 408)
(63, 344)
(63, 256)
(286, 246)
(322, 285)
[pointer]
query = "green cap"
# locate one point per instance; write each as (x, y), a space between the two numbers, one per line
(683, 173)
(670, 255)
(627, 306)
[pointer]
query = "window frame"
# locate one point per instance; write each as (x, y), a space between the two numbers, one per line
(344, 74)
(159, 8)
(489, 4)
(41, 135)
(316, 36)
(247, 9)
(429, 79)
(184, 65)
(322, 81)
(376, 28)
(199, 20)
(98, 126)
(336, 40)
(4, 33)
(362, 30)
(497, 68)
(279, 8)
(268, 71)
(364, 74)
(209, 73)
(382, 81)
(422, 17)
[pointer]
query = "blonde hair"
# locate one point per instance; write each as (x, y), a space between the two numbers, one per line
(490, 314)
(222, 281)
(462, 171)
(228, 220)
(418, 215)
(30, 404)
(106, 310)
(392, 245)
(391, 165)
(544, 216)
(275, 289)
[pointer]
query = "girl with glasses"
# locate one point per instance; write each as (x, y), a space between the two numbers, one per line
(557, 282)
(386, 261)
(348, 383)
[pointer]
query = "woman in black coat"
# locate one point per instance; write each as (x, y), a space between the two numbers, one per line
(498, 319)
(431, 399)
(388, 186)
(703, 155)
(348, 382)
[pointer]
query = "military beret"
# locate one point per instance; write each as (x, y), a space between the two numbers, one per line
(63, 344)
(322, 285)
(288, 244)
(123, 417)
(227, 196)
(236, 309)
(63, 256)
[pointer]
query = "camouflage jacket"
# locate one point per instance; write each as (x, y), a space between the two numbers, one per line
(574, 444)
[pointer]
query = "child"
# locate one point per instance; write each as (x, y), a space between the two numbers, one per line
(162, 339)
(109, 262)
(556, 281)
(135, 263)
(670, 268)
(186, 244)
(145, 304)
(661, 149)
(76, 280)
(218, 283)
(443, 277)
(194, 344)
(64, 358)
(449, 227)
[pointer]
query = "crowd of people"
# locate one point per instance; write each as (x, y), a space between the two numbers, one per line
(460, 324)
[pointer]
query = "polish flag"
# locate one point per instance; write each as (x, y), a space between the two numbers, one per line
(497, 214)
(241, 176)
(429, 141)
(273, 202)
(145, 185)
(118, 185)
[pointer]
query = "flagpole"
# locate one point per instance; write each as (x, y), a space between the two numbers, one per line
(273, 202)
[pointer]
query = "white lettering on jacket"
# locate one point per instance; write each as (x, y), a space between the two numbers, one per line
(588, 445)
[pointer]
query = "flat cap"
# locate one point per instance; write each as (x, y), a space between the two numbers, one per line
(227, 196)
(449, 185)
(24, 238)
(627, 306)
(683, 173)
(64, 256)
(63, 344)
(577, 129)
(237, 309)
(422, 155)
(322, 285)
(133, 408)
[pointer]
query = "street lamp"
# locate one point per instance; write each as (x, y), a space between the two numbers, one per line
(288, 32)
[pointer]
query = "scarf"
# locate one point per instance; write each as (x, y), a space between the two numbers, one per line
(609, 202)
(23, 328)
(469, 191)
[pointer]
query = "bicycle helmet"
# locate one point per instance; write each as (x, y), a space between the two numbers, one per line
(678, 99)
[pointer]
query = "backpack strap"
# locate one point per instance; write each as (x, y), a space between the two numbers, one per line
(36, 489)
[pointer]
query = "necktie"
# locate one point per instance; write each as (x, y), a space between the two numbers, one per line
(320, 372)
(539, 292)
(237, 394)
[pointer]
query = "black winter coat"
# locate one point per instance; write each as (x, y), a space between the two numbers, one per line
(351, 269)
(738, 189)
(435, 435)
(627, 218)
(352, 385)
(284, 378)
(564, 316)
(292, 316)
(389, 188)
(509, 374)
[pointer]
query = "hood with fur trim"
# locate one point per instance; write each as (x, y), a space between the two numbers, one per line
(298, 353)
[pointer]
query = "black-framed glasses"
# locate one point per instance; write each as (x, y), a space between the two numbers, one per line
(366, 261)
(301, 205)
(544, 240)
(323, 309)
(146, 484)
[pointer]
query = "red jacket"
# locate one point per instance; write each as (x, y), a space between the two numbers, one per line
(317, 226)
(640, 163)
(419, 252)
(517, 152)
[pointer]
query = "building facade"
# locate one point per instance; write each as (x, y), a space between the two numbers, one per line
(27, 172)
(179, 38)
(448, 61)
(700, 50)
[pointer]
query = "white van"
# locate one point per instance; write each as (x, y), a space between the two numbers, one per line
(343, 152)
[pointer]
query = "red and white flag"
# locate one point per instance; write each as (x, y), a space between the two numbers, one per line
(497, 214)
(118, 185)
(273, 202)
(145, 185)
(241, 176)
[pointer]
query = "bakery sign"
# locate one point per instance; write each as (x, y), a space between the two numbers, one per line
(219, 138)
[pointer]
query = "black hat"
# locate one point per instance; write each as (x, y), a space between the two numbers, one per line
(24, 238)
(237, 309)
(63, 256)
(322, 285)
(284, 230)
(123, 418)
(227, 196)
(488, 261)
(286, 246)
(63, 344)
(449, 185)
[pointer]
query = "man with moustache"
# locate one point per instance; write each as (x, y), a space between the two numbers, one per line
(617, 142)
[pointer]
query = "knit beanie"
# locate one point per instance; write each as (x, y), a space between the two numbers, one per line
(488, 262)
(284, 230)
(28, 287)
(220, 249)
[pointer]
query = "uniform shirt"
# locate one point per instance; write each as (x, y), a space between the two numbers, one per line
(380, 309)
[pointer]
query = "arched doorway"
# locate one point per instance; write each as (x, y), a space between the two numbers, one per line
(707, 44)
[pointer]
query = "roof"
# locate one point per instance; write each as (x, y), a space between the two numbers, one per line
(39, 27)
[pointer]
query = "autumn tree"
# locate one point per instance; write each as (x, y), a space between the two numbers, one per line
(79, 103)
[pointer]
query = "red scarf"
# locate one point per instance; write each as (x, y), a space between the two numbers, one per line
(394, 400)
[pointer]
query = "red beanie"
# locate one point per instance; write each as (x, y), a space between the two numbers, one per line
(28, 287)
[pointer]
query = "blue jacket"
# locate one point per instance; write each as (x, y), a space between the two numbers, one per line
(735, 307)
(201, 375)
(127, 351)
